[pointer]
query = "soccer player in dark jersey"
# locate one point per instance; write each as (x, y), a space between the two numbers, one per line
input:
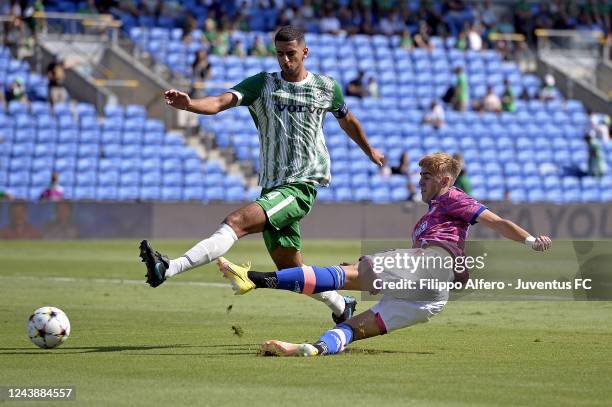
(437, 237)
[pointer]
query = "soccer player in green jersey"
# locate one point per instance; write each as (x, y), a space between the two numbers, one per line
(288, 109)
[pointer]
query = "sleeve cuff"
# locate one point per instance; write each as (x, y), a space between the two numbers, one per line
(341, 112)
(478, 212)
(238, 95)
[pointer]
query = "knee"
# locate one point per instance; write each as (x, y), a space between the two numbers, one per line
(235, 221)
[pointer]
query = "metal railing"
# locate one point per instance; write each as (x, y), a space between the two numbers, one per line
(587, 44)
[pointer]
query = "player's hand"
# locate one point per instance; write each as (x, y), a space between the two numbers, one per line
(542, 243)
(377, 157)
(177, 99)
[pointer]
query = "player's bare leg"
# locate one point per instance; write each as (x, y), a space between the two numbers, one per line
(286, 257)
(366, 325)
(246, 220)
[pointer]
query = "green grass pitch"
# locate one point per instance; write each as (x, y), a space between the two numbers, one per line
(181, 344)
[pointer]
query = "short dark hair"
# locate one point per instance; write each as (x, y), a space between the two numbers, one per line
(290, 33)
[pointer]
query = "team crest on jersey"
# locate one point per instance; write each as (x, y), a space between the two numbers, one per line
(320, 93)
(419, 230)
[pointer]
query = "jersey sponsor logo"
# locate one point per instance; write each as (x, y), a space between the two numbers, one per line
(298, 108)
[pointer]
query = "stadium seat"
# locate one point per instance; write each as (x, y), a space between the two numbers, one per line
(214, 194)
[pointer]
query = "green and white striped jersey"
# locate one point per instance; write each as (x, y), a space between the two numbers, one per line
(289, 117)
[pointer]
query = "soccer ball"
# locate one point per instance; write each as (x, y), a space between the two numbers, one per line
(48, 327)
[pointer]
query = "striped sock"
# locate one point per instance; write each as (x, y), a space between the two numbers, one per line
(335, 340)
(305, 279)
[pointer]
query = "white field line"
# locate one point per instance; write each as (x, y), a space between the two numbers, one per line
(110, 281)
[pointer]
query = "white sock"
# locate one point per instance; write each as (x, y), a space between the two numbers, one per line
(205, 251)
(333, 300)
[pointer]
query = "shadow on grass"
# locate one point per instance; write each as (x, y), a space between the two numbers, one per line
(123, 348)
(251, 349)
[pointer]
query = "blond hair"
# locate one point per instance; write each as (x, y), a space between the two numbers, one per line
(441, 164)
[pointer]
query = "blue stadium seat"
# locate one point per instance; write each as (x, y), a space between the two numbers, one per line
(172, 179)
(129, 178)
(89, 136)
(40, 178)
(151, 178)
(150, 193)
(590, 195)
(44, 150)
(89, 150)
(44, 162)
(127, 193)
(46, 121)
(193, 193)
(66, 123)
(66, 150)
(107, 193)
(323, 195)
(86, 164)
(235, 194)
(109, 164)
(114, 111)
(22, 135)
(153, 137)
(87, 178)
(362, 194)
(15, 107)
(135, 112)
(89, 123)
(85, 110)
(214, 193)
(40, 108)
(171, 193)
(133, 125)
(381, 195)
(108, 178)
(113, 124)
(22, 149)
(68, 136)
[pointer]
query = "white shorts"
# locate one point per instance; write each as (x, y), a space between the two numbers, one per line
(401, 308)
(397, 313)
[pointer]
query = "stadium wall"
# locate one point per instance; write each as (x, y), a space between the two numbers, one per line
(593, 98)
(149, 87)
(90, 220)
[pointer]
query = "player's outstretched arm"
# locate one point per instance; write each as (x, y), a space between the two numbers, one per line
(206, 105)
(512, 231)
(353, 128)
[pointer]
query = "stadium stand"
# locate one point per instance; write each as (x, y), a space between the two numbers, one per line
(532, 154)
(541, 143)
(113, 157)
